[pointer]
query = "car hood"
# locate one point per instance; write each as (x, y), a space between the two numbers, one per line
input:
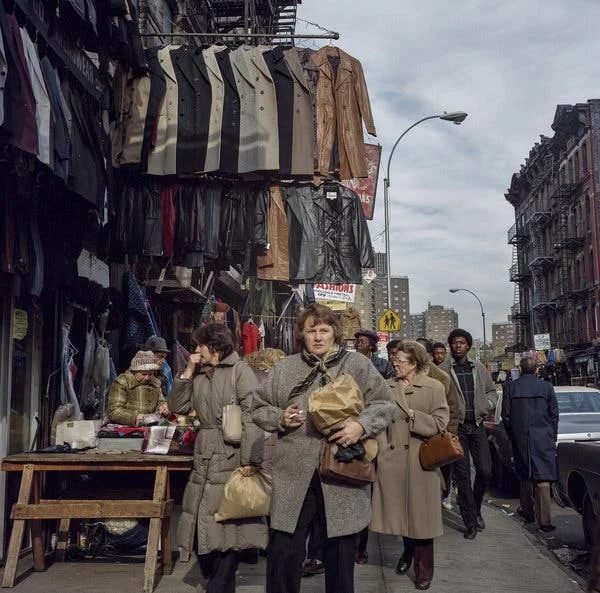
(579, 427)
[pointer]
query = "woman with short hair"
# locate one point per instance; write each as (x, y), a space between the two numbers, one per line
(213, 372)
(406, 498)
(300, 496)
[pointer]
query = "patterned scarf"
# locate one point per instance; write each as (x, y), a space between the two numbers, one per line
(319, 367)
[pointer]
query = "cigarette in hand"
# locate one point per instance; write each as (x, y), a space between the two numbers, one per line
(298, 413)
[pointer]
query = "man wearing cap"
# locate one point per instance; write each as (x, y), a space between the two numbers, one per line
(159, 347)
(136, 392)
(365, 342)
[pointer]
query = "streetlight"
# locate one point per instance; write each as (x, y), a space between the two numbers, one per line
(453, 290)
(456, 117)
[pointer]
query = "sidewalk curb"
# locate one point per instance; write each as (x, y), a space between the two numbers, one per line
(540, 545)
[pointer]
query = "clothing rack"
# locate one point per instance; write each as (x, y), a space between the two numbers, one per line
(332, 35)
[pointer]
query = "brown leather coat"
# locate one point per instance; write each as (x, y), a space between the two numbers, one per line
(342, 105)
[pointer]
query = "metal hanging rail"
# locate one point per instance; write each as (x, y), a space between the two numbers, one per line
(332, 35)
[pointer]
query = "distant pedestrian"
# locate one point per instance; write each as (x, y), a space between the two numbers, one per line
(530, 416)
(439, 353)
(406, 498)
(476, 397)
(365, 342)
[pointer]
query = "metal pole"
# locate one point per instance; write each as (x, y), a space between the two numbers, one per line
(386, 203)
(482, 312)
(332, 35)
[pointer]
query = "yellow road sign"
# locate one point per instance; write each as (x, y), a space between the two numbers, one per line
(389, 322)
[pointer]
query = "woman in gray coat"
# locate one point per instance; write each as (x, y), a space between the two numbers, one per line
(406, 498)
(299, 495)
(213, 373)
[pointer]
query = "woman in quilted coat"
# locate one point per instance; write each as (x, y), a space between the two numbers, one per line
(215, 372)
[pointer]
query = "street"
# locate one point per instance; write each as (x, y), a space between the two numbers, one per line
(567, 542)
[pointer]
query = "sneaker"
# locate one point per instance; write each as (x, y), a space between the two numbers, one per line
(447, 504)
(312, 566)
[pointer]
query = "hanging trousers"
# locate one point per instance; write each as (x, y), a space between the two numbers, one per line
(287, 550)
(421, 551)
(474, 443)
(535, 500)
(224, 566)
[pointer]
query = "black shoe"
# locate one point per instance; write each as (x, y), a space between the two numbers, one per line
(480, 523)
(471, 533)
(361, 557)
(546, 528)
(526, 518)
(422, 585)
(312, 566)
(403, 564)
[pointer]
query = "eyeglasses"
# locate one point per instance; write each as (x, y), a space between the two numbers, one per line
(396, 358)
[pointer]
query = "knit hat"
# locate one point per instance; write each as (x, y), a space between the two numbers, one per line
(155, 344)
(144, 361)
(368, 333)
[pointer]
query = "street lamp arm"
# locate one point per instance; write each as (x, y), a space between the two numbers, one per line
(387, 174)
(478, 299)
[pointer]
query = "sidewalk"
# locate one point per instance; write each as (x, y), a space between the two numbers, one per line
(501, 560)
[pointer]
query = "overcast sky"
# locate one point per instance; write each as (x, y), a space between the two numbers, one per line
(508, 64)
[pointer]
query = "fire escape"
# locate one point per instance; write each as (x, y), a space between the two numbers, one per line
(519, 273)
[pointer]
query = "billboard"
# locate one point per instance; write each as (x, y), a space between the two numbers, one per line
(366, 187)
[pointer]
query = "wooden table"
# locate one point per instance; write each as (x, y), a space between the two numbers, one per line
(30, 506)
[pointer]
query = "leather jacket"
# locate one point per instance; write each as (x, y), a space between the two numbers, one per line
(329, 238)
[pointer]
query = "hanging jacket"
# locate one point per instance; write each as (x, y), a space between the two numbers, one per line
(342, 105)
(329, 240)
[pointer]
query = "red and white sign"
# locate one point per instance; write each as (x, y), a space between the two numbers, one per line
(366, 187)
(335, 292)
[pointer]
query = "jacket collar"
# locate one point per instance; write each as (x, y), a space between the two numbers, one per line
(164, 57)
(294, 67)
(211, 62)
(256, 56)
(321, 59)
(195, 63)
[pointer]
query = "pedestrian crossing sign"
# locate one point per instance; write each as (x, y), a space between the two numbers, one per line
(389, 322)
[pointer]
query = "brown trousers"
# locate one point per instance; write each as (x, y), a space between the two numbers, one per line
(535, 500)
(421, 550)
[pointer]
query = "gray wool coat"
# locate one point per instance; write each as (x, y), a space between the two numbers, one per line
(214, 459)
(296, 452)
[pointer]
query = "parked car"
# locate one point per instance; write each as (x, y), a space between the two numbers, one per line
(578, 420)
(578, 483)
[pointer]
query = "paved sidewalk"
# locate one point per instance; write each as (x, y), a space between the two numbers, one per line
(502, 559)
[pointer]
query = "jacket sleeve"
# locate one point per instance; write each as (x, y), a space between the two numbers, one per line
(553, 409)
(490, 389)
(429, 424)
(180, 400)
(506, 416)
(266, 411)
(252, 445)
(362, 236)
(117, 410)
(379, 401)
(452, 401)
(362, 96)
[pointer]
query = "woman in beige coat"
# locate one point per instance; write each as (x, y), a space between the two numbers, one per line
(213, 372)
(406, 498)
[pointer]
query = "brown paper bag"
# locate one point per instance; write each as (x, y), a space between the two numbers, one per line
(245, 496)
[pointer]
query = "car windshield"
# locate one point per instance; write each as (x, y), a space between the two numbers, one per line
(578, 402)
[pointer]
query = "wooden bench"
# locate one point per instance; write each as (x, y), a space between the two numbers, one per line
(31, 507)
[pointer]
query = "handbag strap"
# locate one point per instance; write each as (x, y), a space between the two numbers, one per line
(233, 384)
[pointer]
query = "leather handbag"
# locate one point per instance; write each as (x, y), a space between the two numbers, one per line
(439, 450)
(357, 472)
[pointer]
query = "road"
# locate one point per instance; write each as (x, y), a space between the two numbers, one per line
(566, 542)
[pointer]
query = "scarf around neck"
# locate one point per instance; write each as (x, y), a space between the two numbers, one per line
(319, 366)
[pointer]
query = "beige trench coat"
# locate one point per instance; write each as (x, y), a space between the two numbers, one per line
(214, 459)
(406, 498)
(342, 105)
(162, 159)
(217, 88)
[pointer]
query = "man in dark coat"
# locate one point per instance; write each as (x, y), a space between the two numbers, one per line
(530, 415)
(365, 342)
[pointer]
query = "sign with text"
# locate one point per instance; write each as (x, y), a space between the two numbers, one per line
(541, 341)
(366, 187)
(335, 292)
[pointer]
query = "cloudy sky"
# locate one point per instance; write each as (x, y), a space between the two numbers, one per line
(508, 64)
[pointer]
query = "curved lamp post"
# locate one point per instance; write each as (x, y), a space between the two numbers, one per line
(482, 311)
(456, 117)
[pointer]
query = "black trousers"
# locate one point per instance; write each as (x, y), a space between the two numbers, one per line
(221, 567)
(287, 550)
(447, 474)
(421, 550)
(316, 541)
(474, 442)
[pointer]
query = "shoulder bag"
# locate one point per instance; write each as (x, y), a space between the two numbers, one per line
(231, 424)
(440, 449)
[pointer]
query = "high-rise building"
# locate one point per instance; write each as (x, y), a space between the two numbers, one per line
(503, 335)
(439, 322)
(416, 326)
